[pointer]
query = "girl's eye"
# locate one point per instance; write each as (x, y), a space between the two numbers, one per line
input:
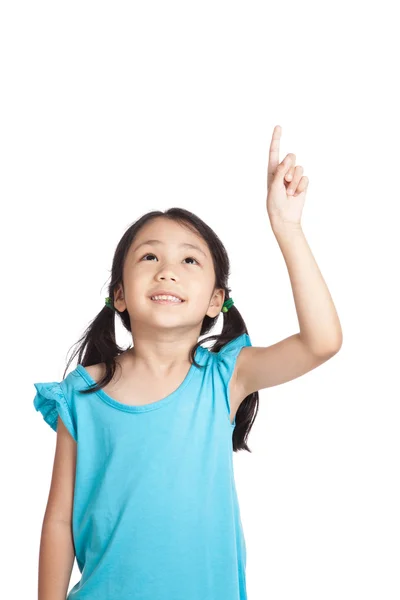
(150, 254)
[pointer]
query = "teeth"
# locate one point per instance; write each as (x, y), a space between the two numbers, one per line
(174, 298)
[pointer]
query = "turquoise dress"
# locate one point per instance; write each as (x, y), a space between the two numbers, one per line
(155, 513)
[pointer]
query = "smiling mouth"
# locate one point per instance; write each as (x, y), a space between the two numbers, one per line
(167, 301)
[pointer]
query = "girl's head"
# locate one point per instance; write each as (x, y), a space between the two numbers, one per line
(185, 256)
(166, 254)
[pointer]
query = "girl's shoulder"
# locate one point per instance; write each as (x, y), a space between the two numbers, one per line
(227, 355)
(235, 345)
(96, 372)
(59, 398)
(56, 398)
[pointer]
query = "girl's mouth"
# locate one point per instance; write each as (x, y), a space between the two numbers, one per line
(167, 301)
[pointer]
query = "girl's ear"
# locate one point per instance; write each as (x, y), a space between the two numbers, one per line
(119, 300)
(216, 303)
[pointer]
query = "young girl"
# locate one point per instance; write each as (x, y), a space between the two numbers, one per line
(143, 491)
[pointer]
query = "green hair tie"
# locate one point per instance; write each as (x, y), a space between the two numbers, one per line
(108, 302)
(227, 304)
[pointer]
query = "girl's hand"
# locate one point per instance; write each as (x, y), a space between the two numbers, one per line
(286, 185)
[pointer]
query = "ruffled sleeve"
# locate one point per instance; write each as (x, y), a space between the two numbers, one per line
(51, 402)
(226, 359)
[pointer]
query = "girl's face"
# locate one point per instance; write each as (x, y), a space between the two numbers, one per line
(174, 265)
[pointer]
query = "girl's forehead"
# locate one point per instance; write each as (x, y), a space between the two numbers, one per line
(169, 243)
(170, 235)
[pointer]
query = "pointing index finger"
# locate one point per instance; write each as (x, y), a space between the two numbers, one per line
(274, 152)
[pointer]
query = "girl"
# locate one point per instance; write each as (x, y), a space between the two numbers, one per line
(143, 491)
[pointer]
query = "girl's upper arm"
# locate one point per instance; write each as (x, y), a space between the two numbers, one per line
(61, 496)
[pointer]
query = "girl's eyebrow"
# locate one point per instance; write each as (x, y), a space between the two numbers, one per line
(155, 242)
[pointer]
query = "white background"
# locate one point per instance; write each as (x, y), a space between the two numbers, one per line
(110, 110)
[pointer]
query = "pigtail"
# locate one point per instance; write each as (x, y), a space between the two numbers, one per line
(98, 345)
(233, 327)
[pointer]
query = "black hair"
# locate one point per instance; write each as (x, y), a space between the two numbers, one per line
(98, 343)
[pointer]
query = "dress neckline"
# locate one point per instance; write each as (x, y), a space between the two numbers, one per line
(142, 407)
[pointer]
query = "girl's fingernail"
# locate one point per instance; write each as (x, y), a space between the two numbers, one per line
(288, 176)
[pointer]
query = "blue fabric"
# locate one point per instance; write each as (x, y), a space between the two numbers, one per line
(156, 514)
